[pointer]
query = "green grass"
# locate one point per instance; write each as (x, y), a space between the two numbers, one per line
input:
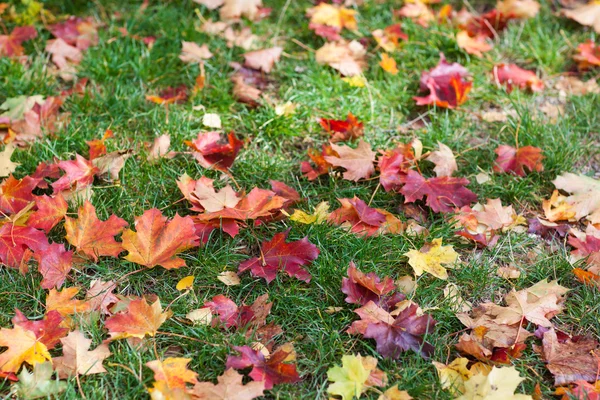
(122, 71)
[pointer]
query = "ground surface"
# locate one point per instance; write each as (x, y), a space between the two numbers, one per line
(123, 71)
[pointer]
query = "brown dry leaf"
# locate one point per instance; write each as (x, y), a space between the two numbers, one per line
(571, 85)
(394, 393)
(348, 58)
(7, 167)
(264, 59)
(160, 148)
(229, 278)
(508, 272)
(111, 164)
(243, 38)
(519, 8)
(201, 316)
(192, 53)
(445, 163)
(357, 162)
(457, 303)
(588, 15)
(77, 358)
(235, 9)
(583, 202)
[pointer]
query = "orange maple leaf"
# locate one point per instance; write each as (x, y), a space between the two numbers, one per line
(23, 346)
(158, 240)
(140, 319)
(92, 236)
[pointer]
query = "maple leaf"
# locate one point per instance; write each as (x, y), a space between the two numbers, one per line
(445, 84)
(158, 240)
(521, 9)
(192, 53)
(586, 14)
(333, 16)
(212, 201)
(47, 330)
(7, 167)
(16, 108)
(360, 288)
(18, 243)
(264, 59)
(78, 172)
(92, 236)
(394, 335)
(418, 12)
(499, 384)
(160, 148)
(22, 346)
(170, 95)
(64, 302)
(389, 38)
(488, 24)
(319, 215)
(431, 257)
(454, 375)
(347, 58)
(100, 296)
(393, 166)
(172, 372)
(571, 360)
(39, 383)
(357, 162)
(476, 45)
(76, 31)
(271, 371)
(55, 263)
(444, 160)
(341, 130)
(210, 154)
(512, 75)
(65, 57)
(50, 211)
(580, 390)
(16, 194)
(230, 387)
(354, 377)
(139, 320)
(77, 358)
(322, 166)
(516, 160)
(388, 64)
(111, 164)
(583, 202)
(11, 45)
(442, 193)
(361, 218)
(277, 254)
(588, 55)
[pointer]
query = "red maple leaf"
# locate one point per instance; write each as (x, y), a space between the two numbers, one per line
(488, 24)
(443, 193)
(278, 255)
(43, 171)
(271, 371)
(210, 153)
(157, 240)
(290, 194)
(50, 211)
(170, 95)
(11, 45)
(76, 31)
(361, 288)
(18, 243)
(515, 160)
(588, 55)
(230, 315)
(318, 158)
(445, 83)
(92, 236)
(394, 335)
(341, 130)
(393, 166)
(331, 33)
(55, 263)
(512, 75)
(361, 218)
(47, 330)
(79, 172)
(16, 194)
(584, 248)
(98, 146)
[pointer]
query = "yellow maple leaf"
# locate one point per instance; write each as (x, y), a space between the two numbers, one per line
(23, 346)
(388, 64)
(499, 384)
(355, 81)
(454, 375)
(332, 15)
(431, 257)
(353, 377)
(319, 215)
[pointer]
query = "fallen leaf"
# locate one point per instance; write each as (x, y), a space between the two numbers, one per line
(192, 53)
(358, 217)
(319, 215)
(442, 193)
(516, 160)
(210, 154)
(229, 278)
(264, 59)
(186, 283)
(444, 160)
(202, 316)
(229, 387)
(211, 121)
(347, 58)
(361, 288)
(22, 346)
(55, 263)
(92, 236)
(173, 371)
(357, 162)
(47, 330)
(445, 83)
(431, 257)
(7, 167)
(79, 172)
(18, 243)
(512, 75)
(352, 378)
(139, 320)
(160, 148)
(519, 8)
(499, 384)
(100, 296)
(157, 240)
(39, 383)
(11, 45)
(587, 14)
(77, 358)
(277, 254)
(50, 211)
(343, 130)
(476, 45)
(388, 64)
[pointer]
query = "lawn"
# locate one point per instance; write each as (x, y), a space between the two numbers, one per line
(121, 70)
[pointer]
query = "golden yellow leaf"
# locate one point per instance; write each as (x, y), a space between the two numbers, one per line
(388, 64)
(23, 346)
(352, 378)
(320, 215)
(499, 384)
(431, 257)
(356, 81)
(186, 283)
